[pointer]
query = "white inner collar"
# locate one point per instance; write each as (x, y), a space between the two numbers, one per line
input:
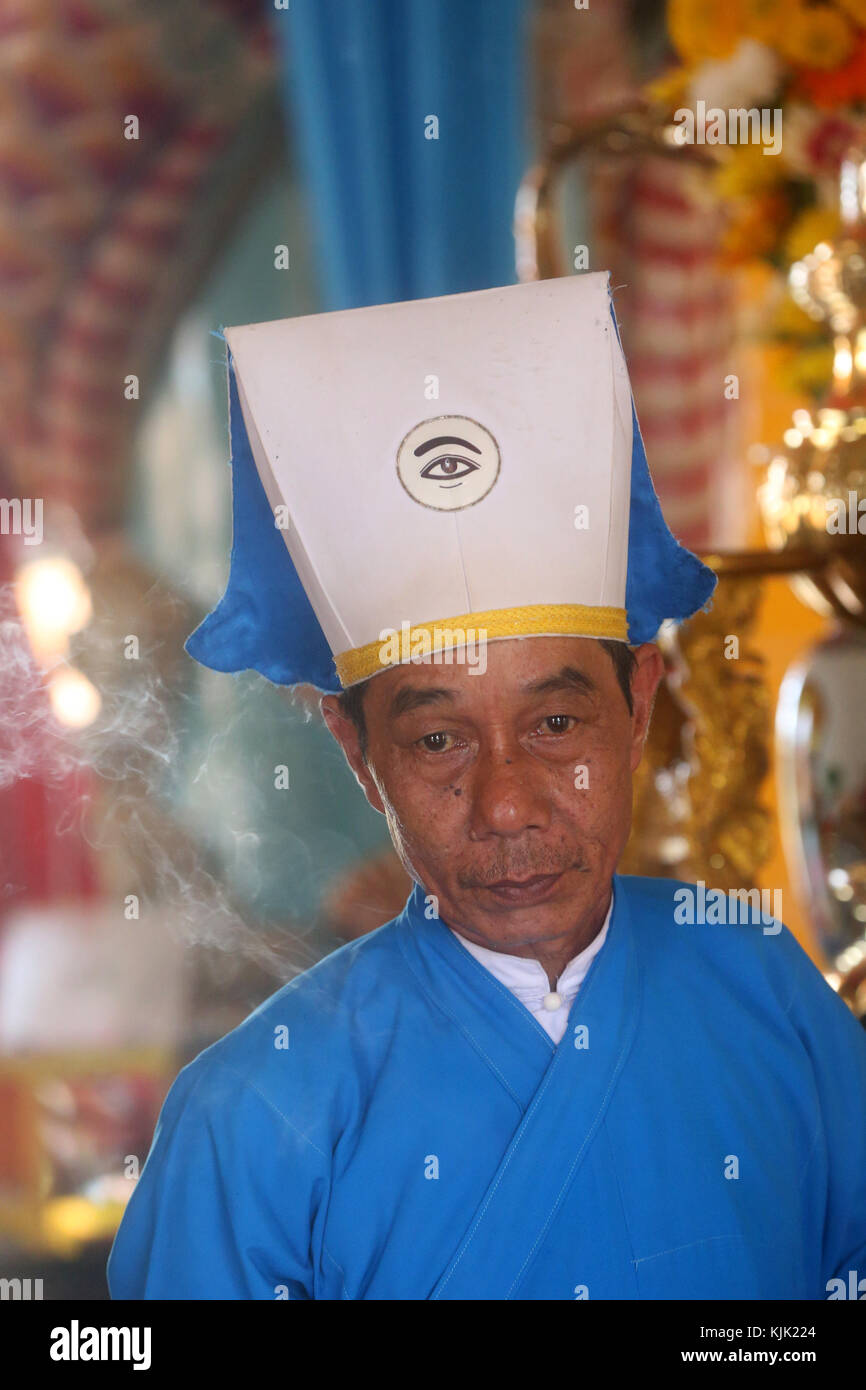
(526, 977)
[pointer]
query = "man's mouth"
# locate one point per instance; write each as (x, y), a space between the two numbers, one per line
(523, 890)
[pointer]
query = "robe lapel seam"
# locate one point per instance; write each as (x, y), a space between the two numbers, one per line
(615, 1171)
(634, 969)
(590, 1135)
(536, 1101)
(327, 1253)
(461, 1027)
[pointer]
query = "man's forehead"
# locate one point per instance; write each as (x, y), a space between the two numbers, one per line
(514, 665)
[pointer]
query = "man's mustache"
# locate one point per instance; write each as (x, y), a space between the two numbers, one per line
(519, 871)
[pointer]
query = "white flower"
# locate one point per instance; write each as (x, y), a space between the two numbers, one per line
(751, 75)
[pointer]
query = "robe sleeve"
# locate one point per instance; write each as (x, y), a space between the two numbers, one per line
(837, 1044)
(225, 1205)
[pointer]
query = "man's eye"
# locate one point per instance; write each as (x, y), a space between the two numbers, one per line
(558, 723)
(436, 743)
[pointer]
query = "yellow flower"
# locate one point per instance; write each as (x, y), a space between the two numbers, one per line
(854, 9)
(768, 20)
(817, 38)
(702, 29)
(812, 226)
(746, 172)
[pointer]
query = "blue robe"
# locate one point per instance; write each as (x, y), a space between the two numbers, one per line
(394, 1124)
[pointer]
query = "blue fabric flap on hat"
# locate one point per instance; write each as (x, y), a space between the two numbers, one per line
(264, 622)
(664, 580)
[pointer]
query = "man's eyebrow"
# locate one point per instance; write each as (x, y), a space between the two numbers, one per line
(569, 678)
(414, 696)
(444, 439)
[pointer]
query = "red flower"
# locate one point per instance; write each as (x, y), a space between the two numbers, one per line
(829, 141)
(840, 87)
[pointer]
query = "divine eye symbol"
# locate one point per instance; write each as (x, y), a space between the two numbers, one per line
(448, 471)
(451, 468)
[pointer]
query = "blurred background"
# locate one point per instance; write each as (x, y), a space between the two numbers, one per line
(169, 167)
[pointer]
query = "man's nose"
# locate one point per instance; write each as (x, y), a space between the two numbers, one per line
(509, 793)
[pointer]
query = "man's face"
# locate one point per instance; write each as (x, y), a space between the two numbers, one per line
(508, 793)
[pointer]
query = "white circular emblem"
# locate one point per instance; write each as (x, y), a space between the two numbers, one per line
(448, 462)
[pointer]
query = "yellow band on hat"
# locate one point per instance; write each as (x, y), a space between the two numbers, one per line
(535, 620)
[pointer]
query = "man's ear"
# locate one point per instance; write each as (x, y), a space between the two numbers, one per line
(346, 733)
(647, 674)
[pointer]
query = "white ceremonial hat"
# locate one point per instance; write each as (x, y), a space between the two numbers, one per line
(435, 468)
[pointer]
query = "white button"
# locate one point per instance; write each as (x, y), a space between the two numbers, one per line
(552, 1002)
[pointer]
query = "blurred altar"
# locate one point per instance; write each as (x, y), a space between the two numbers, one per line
(172, 168)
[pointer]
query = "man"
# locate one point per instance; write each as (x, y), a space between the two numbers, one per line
(538, 1082)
